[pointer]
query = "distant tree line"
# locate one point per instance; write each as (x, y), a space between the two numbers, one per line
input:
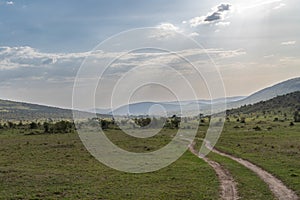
(42, 127)
(134, 122)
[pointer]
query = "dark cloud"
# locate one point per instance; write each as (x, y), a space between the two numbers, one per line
(48, 61)
(213, 17)
(217, 15)
(224, 7)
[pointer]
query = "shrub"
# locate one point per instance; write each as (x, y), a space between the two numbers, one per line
(296, 116)
(257, 128)
(243, 120)
(33, 125)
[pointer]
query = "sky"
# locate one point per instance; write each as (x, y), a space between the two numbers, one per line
(241, 46)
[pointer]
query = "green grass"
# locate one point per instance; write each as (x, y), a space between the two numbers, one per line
(59, 167)
(133, 144)
(275, 148)
(248, 184)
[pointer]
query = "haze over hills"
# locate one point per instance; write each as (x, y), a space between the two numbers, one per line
(170, 108)
(279, 89)
(142, 108)
(10, 110)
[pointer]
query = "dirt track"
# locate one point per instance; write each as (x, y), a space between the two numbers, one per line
(227, 183)
(279, 190)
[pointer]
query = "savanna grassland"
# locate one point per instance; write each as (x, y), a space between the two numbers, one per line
(36, 165)
(48, 160)
(267, 134)
(274, 146)
(57, 166)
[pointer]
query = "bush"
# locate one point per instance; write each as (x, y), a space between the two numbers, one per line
(64, 127)
(11, 124)
(243, 120)
(33, 125)
(296, 116)
(46, 127)
(59, 127)
(257, 128)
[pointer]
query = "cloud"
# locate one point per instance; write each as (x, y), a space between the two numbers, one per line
(165, 31)
(168, 27)
(32, 72)
(289, 60)
(194, 34)
(216, 16)
(269, 56)
(10, 3)
(223, 24)
(260, 4)
(224, 7)
(213, 17)
(289, 43)
(281, 5)
(25, 56)
(17, 57)
(27, 63)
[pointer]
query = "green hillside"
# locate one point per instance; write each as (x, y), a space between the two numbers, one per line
(10, 110)
(285, 104)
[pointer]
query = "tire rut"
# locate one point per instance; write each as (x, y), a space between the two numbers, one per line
(227, 183)
(280, 191)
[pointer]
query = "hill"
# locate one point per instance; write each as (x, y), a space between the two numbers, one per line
(142, 108)
(11, 110)
(282, 88)
(172, 107)
(281, 104)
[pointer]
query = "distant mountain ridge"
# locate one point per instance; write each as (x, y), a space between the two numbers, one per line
(142, 108)
(168, 108)
(10, 110)
(285, 87)
(171, 107)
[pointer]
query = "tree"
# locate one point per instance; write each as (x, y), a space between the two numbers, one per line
(243, 120)
(296, 116)
(11, 124)
(46, 127)
(62, 127)
(20, 123)
(143, 122)
(104, 124)
(175, 121)
(33, 125)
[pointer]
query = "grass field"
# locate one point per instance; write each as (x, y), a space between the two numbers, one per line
(57, 166)
(249, 185)
(275, 147)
